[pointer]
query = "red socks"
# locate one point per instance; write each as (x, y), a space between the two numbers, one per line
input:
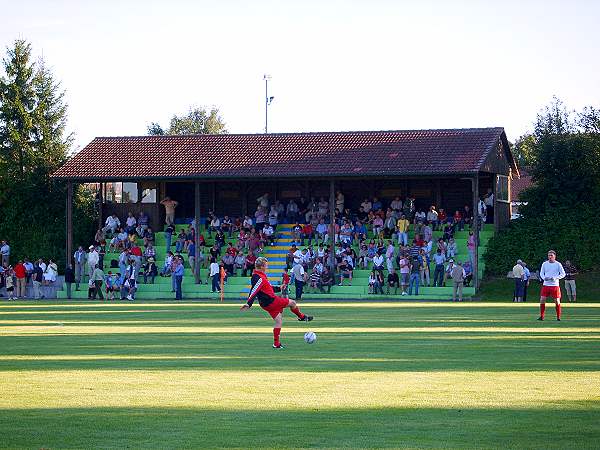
(558, 310)
(296, 311)
(542, 310)
(276, 333)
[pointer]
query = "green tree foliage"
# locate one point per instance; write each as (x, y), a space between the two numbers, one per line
(196, 121)
(562, 203)
(34, 143)
(524, 150)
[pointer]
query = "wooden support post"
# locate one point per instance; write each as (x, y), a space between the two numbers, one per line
(494, 191)
(476, 225)
(69, 217)
(332, 226)
(214, 197)
(438, 194)
(100, 206)
(198, 231)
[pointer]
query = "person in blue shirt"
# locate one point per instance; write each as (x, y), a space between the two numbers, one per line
(526, 277)
(178, 274)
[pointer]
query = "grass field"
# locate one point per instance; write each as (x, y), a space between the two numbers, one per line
(382, 375)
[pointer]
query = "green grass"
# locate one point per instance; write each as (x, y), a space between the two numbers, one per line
(382, 375)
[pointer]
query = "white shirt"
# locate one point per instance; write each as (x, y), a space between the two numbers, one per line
(298, 272)
(396, 204)
(131, 221)
(214, 269)
(378, 260)
(93, 258)
(268, 230)
(554, 271)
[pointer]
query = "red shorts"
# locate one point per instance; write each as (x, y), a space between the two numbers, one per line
(550, 291)
(277, 306)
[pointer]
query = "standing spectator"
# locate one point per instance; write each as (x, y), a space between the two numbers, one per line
(192, 256)
(467, 215)
(299, 277)
(170, 206)
(213, 274)
(178, 274)
(69, 279)
(273, 215)
(36, 280)
(481, 212)
(5, 252)
(80, 258)
(21, 276)
(169, 230)
(239, 262)
(51, 273)
(415, 273)
(570, 286)
(425, 281)
(374, 285)
(92, 260)
(471, 248)
(404, 264)
(518, 274)
(9, 281)
(97, 278)
(432, 217)
(438, 274)
(263, 201)
(148, 236)
(458, 278)
(402, 226)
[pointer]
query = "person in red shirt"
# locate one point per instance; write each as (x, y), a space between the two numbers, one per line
(262, 290)
(442, 216)
(458, 220)
(307, 233)
(250, 260)
(21, 275)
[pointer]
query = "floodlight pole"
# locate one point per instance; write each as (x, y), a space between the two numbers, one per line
(266, 78)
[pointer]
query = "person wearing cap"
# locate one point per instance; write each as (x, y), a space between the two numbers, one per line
(150, 270)
(519, 276)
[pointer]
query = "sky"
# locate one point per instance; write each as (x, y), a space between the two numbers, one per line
(335, 65)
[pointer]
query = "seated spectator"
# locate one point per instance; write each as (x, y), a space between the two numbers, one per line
(166, 270)
(375, 283)
(458, 220)
(219, 239)
(297, 233)
(149, 252)
(180, 242)
(468, 272)
(376, 205)
(420, 216)
(345, 269)
(227, 226)
(250, 261)
(50, 274)
(130, 224)
(112, 223)
(346, 234)
(268, 231)
(432, 217)
(326, 280)
(292, 211)
(427, 233)
(377, 223)
(448, 230)
(143, 223)
(150, 270)
(100, 237)
(247, 224)
(148, 236)
(452, 249)
(215, 224)
(389, 225)
(314, 281)
(110, 282)
(322, 229)
(393, 281)
(442, 217)
(239, 262)
(228, 261)
(261, 217)
(190, 237)
(441, 246)
(396, 204)
(362, 257)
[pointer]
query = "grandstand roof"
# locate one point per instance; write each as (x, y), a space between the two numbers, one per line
(278, 155)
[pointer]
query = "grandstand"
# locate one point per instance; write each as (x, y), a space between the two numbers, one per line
(225, 174)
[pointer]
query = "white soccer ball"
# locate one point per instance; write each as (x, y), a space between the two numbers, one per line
(310, 337)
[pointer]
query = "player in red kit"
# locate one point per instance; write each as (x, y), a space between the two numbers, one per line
(262, 290)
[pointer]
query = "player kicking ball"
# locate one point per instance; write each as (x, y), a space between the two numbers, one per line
(550, 273)
(262, 290)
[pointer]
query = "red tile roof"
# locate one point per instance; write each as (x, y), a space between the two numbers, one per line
(360, 153)
(518, 185)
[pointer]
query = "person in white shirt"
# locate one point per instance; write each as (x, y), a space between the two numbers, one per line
(299, 279)
(112, 223)
(396, 204)
(92, 260)
(214, 275)
(551, 272)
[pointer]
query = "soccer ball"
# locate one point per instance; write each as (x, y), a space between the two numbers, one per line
(310, 337)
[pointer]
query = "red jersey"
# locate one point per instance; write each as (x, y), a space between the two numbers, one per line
(136, 251)
(285, 279)
(19, 270)
(261, 289)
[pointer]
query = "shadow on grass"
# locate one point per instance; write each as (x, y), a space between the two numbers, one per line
(569, 426)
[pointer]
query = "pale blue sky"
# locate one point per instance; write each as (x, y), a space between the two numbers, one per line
(336, 65)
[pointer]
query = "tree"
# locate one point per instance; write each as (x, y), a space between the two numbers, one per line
(564, 198)
(197, 121)
(524, 150)
(34, 143)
